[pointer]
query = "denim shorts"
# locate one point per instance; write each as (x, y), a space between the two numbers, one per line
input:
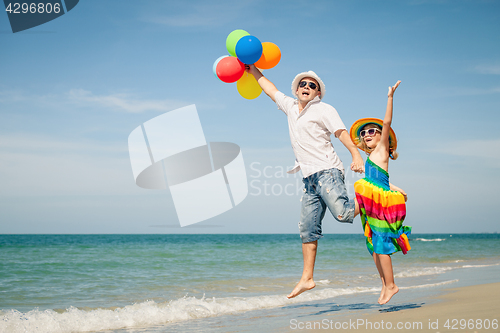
(323, 189)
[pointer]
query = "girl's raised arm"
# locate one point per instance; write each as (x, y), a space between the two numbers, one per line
(384, 141)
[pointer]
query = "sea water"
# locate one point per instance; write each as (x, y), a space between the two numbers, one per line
(154, 283)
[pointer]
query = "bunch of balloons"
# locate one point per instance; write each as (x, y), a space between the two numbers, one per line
(245, 49)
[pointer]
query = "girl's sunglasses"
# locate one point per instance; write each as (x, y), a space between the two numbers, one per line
(370, 132)
(312, 85)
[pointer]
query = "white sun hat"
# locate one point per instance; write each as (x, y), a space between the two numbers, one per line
(311, 74)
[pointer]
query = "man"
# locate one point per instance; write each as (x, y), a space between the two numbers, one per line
(311, 122)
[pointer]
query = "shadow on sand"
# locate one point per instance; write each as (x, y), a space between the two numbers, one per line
(325, 308)
(402, 307)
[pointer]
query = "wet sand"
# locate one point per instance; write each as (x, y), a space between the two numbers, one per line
(465, 309)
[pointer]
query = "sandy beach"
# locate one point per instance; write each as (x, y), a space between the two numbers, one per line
(465, 309)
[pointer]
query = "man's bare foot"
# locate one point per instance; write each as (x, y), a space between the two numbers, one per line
(388, 293)
(301, 287)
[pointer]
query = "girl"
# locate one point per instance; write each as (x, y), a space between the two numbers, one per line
(381, 205)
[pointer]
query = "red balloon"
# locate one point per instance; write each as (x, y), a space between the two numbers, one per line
(230, 69)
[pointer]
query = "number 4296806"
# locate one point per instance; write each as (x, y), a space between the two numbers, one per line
(23, 8)
(455, 324)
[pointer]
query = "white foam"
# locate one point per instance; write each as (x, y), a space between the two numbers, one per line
(150, 313)
(476, 266)
(414, 272)
(430, 285)
(422, 271)
(323, 282)
(431, 239)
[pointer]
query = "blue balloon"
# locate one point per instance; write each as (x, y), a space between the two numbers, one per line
(248, 49)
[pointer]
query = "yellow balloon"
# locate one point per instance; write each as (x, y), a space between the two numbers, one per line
(248, 87)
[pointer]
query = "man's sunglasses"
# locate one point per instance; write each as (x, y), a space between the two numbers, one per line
(370, 132)
(312, 85)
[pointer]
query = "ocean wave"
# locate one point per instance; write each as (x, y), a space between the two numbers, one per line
(478, 266)
(422, 271)
(430, 285)
(414, 272)
(323, 282)
(151, 313)
(430, 239)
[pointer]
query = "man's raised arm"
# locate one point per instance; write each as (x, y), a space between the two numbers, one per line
(266, 85)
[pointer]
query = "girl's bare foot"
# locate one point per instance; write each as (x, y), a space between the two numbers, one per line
(381, 294)
(388, 293)
(301, 287)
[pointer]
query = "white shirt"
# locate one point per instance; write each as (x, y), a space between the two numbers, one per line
(310, 132)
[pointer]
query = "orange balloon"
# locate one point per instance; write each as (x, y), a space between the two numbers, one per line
(271, 56)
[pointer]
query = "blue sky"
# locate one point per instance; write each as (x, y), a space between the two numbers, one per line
(73, 89)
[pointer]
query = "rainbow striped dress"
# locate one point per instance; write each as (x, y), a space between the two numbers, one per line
(382, 212)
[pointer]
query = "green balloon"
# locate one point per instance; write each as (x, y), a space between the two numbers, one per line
(232, 39)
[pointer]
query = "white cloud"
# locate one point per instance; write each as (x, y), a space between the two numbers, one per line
(189, 20)
(38, 165)
(464, 91)
(120, 102)
(11, 96)
(425, 2)
(482, 152)
(203, 13)
(488, 69)
(44, 145)
(123, 102)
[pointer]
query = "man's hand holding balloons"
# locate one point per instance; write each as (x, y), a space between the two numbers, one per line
(245, 49)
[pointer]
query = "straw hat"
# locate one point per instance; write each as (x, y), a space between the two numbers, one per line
(357, 127)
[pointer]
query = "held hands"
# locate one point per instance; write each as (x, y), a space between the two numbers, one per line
(392, 89)
(357, 161)
(357, 164)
